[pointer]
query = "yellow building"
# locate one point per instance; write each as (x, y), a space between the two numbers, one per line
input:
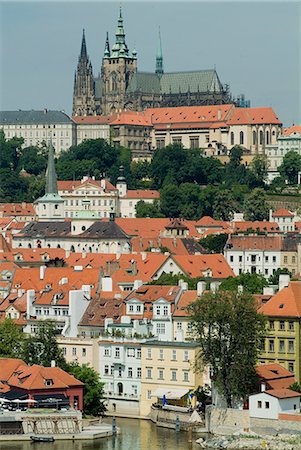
(168, 369)
(80, 350)
(282, 340)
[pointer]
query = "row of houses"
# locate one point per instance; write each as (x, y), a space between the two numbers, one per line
(215, 128)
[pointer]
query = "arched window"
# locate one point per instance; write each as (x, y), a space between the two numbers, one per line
(29, 245)
(232, 138)
(113, 82)
(72, 249)
(254, 138)
(267, 140)
(241, 137)
(261, 137)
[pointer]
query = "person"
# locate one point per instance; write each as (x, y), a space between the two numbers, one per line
(114, 407)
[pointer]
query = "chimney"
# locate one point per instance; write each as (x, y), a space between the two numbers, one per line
(219, 114)
(42, 272)
(134, 267)
(201, 287)
(262, 386)
(84, 254)
(107, 284)
(67, 253)
(52, 364)
(284, 280)
(271, 215)
(23, 205)
(143, 256)
(137, 284)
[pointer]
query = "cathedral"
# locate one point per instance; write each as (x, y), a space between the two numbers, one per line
(120, 86)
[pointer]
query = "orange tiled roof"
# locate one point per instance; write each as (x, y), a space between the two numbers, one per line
(195, 265)
(255, 242)
(207, 221)
(70, 185)
(272, 371)
(131, 118)
(282, 213)
(185, 300)
(8, 366)
(255, 225)
(291, 130)
(17, 209)
(102, 307)
(283, 393)
(91, 119)
(250, 116)
(286, 303)
(142, 193)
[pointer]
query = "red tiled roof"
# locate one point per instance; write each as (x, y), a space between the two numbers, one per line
(101, 308)
(17, 209)
(185, 300)
(196, 265)
(255, 225)
(250, 116)
(70, 185)
(291, 130)
(131, 118)
(91, 119)
(255, 242)
(282, 213)
(142, 193)
(8, 367)
(283, 393)
(286, 303)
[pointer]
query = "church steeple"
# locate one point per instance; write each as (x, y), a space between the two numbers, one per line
(51, 178)
(83, 51)
(107, 52)
(159, 57)
(120, 48)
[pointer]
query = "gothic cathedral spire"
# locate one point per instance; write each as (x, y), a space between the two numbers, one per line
(159, 57)
(120, 48)
(83, 51)
(107, 52)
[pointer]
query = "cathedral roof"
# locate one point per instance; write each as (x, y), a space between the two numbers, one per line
(175, 82)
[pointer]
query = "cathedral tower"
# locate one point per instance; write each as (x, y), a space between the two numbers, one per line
(159, 57)
(83, 93)
(118, 66)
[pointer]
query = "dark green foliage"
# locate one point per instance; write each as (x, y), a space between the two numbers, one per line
(229, 331)
(93, 388)
(214, 243)
(295, 387)
(148, 209)
(255, 205)
(171, 200)
(11, 339)
(253, 283)
(33, 160)
(274, 279)
(42, 348)
(173, 280)
(290, 167)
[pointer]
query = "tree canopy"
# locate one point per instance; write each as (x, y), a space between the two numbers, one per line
(290, 167)
(11, 339)
(229, 331)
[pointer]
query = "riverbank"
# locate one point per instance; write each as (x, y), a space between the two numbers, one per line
(252, 441)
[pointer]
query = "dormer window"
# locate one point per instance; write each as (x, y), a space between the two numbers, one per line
(49, 382)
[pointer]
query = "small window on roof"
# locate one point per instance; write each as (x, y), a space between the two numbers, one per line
(281, 306)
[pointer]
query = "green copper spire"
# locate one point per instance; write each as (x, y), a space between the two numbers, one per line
(107, 47)
(120, 45)
(159, 57)
(51, 178)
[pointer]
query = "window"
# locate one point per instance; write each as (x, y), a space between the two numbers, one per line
(139, 372)
(291, 326)
(293, 259)
(267, 405)
(49, 382)
(291, 346)
(271, 345)
(64, 351)
(231, 258)
(232, 138)
(84, 351)
(261, 137)
(131, 308)
(179, 325)
(131, 352)
(271, 323)
(130, 372)
(158, 310)
(149, 395)
(106, 371)
(165, 310)
(241, 137)
(138, 308)
(185, 375)
(148, 373)
(107, 351)
(161, 354)
(259, 404)
(291, 367)
(281, 325)
(266, 259)
(194, 142)
(117, 352)
(161, 374)
(186, 355)
(138, 353)
(160, 143)
(73, 351)
(174, 355)
(240, 258)
(160, 328)
(254, 138)
(173, 375)
(274, 259)
(281, 346)
(119, 372)
(253, 258)
(149, 353)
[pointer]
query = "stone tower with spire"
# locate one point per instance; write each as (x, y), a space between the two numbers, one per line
(159, 57)
(118, 67)
(50, 207)
(83, 92)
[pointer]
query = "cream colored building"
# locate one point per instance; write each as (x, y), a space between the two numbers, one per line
(91, 127)
(290, 140)
(38, 128)
(167, 367)
(80, 350)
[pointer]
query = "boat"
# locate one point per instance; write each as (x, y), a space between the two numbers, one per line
(42, 438)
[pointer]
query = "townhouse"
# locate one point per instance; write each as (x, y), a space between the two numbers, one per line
(91, 127)
(20, 212)
(168, 371)
(282, 342)
(285, 219)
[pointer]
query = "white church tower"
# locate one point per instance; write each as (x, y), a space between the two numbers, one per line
(50, 207)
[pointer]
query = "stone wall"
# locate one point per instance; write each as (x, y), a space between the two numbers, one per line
(226, 421)
(271, 426)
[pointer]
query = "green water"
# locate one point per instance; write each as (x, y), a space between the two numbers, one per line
(135, 435)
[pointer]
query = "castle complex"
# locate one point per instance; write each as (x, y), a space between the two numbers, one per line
(121, 86)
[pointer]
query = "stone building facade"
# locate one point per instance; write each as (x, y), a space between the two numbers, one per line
(121, 86)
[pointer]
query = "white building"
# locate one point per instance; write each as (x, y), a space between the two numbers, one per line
(39, 128)
(91, 127)
(285, 219)
(269, 404)
(254, 254)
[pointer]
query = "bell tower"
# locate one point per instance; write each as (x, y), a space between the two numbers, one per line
(118, 66)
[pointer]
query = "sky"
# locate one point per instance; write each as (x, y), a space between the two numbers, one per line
(255, 47)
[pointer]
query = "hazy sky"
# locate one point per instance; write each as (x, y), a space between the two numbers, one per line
(255, 47)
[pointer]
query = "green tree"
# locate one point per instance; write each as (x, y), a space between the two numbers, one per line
(9, 151)
(259, 167)
(274, 279)
(42, 348)
(253, 283)
(255, 206)
(224, 205)
(214, 243)
(290, 167)
(11, 339)
(229, 331)
(171, 159)
(190, 198)
(144, 209)
(170, 201)
(295, 387)
(33, 160)
(93, 388)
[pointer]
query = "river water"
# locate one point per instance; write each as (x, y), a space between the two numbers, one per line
(135, 435)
